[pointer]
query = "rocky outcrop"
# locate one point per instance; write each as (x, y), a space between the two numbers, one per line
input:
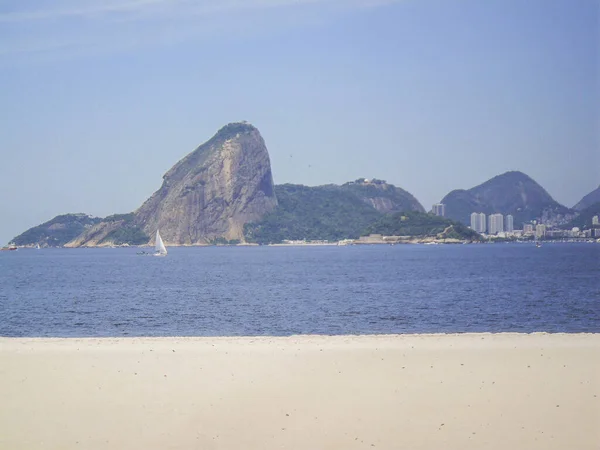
(212, 192)
(118, 229)
(385, 198)
(96, 236)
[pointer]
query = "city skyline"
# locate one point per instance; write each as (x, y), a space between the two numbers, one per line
(100, 99)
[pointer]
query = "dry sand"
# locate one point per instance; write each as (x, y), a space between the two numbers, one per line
(470, 391)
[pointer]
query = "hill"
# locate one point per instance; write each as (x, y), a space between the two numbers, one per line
(510, 193)
(587, 201)
(328, 212)
(322, 212)
(57, 231)
(418, 224)
(117, 229)
(584, 219)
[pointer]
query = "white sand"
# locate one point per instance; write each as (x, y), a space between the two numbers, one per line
(472, 391)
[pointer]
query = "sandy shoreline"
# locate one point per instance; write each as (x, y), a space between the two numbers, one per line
(456, 391)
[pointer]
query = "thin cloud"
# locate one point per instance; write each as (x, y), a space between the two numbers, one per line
(98, 8)
(66, 9)
(73, 27)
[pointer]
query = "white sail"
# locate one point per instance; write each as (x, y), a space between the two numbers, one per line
(159, 246)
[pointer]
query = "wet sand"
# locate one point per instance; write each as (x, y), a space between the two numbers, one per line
(469, 391)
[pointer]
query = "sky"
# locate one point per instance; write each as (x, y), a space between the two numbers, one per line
(99, 98)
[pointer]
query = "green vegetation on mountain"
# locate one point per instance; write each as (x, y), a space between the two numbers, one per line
(230, 131)
(346, 212)
(67, 227)
(58, 231)
(127, 233)
(322, 212)
(584, 219)
(417, 224)
(223, 241)
(126, 218)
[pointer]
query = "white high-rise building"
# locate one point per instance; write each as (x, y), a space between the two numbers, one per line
(595, 220)
(475, 222)
(500, 222)
(509, 228)
(495, 223)
(478, 222)
(439, 209)
(527, 228)
(482, 222)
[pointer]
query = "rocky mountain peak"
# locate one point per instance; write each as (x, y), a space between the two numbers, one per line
(213, 191)
(208, 196)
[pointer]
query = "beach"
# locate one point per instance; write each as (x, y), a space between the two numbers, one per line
(455, 391)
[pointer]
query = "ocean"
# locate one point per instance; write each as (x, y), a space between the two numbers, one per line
(330, 290)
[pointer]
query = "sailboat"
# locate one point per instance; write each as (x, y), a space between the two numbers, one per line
(37, 246)
(159, 246)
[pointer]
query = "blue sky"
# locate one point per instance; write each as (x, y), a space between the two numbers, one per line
(101, 97)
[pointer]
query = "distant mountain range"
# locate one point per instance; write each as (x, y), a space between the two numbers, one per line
(510, 193)
(223, 192)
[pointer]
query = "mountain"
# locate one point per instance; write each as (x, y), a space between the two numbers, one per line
(588, 200)
(214, 191)
(510, 193)
(584, 219)
(58, 231)
(207, 196)
(223, 192)
(329, 212)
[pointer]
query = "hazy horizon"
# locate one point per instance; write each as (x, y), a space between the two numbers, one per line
(101, 99)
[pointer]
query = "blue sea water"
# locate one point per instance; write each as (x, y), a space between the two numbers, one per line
(216, 291)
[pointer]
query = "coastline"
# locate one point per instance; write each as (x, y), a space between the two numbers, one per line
(452, 391)
(343, 243)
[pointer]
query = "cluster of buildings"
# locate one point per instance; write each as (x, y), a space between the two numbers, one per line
(492, 224)
(439, 209)
(504, 226)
